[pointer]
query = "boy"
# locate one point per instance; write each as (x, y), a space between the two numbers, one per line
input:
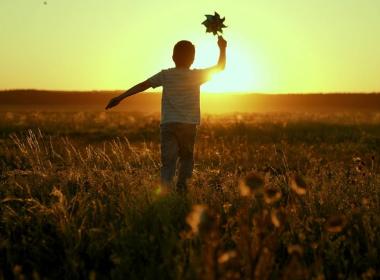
(180, 111)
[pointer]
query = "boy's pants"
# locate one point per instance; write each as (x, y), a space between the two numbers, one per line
(177, 142)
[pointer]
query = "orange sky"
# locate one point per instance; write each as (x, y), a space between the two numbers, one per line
(274, 46)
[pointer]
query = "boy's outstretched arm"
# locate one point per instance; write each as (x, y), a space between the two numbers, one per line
(133, 90)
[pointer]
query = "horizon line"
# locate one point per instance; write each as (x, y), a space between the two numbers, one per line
(203, 92)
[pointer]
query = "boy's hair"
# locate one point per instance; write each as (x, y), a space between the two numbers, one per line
(183, 53)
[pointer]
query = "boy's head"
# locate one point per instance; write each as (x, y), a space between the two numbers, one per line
(183, 54)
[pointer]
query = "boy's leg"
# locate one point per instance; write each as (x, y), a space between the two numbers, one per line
(186, 139)
(169, 153)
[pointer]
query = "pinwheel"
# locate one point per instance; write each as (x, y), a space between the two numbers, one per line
(214, 24)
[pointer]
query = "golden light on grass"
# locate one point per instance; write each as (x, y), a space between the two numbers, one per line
(298, 184)
(103, 185)
(272, 195)
(336, 223)
(251, 184)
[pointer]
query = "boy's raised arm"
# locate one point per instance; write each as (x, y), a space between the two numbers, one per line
(133, 90)
(222, 44)
(222, 53)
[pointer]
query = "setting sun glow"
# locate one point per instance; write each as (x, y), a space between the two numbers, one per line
(239, 75)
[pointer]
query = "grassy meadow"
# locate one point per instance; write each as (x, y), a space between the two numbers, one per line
(273, 196)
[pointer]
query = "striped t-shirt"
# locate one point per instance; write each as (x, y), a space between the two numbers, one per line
(180, 95)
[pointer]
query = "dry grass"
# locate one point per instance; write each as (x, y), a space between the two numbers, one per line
(273, 196)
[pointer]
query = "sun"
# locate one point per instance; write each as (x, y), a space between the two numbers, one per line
(239, 74)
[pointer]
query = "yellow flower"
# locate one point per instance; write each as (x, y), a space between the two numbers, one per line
(252, 183)
(272, 195)
(298, 185)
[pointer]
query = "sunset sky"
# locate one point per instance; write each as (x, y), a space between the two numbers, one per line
(273, 45)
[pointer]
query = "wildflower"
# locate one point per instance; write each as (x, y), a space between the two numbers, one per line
(298, 185)
(226, 256)
(271, 195)
(336, 223)
(252, 183)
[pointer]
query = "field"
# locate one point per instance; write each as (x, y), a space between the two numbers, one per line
(273, 196)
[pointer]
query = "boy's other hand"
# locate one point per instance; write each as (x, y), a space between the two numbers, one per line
(113, 102)
(221, 42)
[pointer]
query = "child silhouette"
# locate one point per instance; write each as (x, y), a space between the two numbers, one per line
(180, 110)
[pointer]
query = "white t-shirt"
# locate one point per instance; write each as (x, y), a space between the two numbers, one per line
(180, 95)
